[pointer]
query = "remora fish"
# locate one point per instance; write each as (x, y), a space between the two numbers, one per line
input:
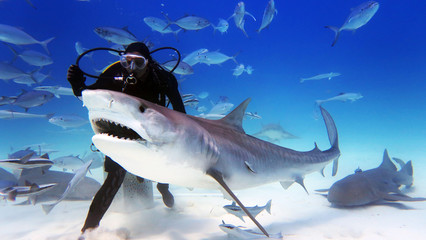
(238, 212)
(239, 14)
(120, 36)
(78, 176)
(240, 233)
(9, 114)
(343, 97)
(30, 191)
(16, 36)
(374, 185)
(268, 15)
(321, 76)
(28, 161)
(196, 152)
(358, 17)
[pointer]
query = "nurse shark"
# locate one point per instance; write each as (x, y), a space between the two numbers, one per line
(167, 146)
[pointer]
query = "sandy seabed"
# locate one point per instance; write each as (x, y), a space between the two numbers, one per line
(197, 214)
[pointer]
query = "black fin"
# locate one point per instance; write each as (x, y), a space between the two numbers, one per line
(217, 175)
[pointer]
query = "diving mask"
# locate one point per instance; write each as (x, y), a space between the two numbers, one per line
(133, 62)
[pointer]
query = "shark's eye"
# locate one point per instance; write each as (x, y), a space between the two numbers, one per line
(142, 108)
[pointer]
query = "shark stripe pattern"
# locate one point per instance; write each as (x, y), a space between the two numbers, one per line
(163, 145)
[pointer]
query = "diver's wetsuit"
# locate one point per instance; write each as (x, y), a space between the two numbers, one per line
(151, 89)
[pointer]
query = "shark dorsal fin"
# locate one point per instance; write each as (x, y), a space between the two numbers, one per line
(387, 163)
(235, 118)
(46, 156)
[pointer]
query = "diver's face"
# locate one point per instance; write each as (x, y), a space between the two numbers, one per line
(134, 63)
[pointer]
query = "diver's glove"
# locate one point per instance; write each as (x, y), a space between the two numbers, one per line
(76, 78)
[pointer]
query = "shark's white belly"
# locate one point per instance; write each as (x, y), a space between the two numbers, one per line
(176, 168)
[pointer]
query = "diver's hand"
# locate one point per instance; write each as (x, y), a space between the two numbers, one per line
(75, 76)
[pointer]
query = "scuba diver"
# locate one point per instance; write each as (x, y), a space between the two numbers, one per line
(136, 74)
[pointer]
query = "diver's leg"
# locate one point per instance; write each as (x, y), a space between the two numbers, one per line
(167, 195)
(105, 194)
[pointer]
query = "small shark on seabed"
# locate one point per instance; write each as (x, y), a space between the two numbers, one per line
(164, 145)
(238, 212)
(376, 185)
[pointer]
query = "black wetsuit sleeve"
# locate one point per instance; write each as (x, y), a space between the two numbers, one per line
(174, 95)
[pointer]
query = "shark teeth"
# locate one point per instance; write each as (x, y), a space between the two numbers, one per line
(115, 129)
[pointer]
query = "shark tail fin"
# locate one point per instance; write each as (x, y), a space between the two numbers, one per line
(332, 135)
(268, 206)
(337, 33)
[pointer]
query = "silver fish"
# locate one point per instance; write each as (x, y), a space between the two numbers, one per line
(192, 58)
(159, 25)
(343, 97)
(238, 70)
(268, 15)
(215, 57)
(188, 22)
(8, 72)
(222, 26)
(35, 58)
(321, 76)
(358, 17)
(33, 98)
(30, 191)
(16, 36)
(239, 14)
(182, 69)
(68, 121)
(120, 36)
(58, 91)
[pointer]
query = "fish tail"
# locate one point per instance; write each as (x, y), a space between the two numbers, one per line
(235, 56)
(169, 22)
(268, 206)
(332, 135)
(44, 44)
(337, 33)
(176, 33)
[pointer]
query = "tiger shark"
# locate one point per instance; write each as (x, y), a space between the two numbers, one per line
(164, 145)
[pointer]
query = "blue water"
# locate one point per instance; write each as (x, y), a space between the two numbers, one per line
(385, 61)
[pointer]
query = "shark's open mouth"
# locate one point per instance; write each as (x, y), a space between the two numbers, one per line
(103, 126)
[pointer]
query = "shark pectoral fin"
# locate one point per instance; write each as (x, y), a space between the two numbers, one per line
(249, 167)
(401, 197)
(217, 175)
